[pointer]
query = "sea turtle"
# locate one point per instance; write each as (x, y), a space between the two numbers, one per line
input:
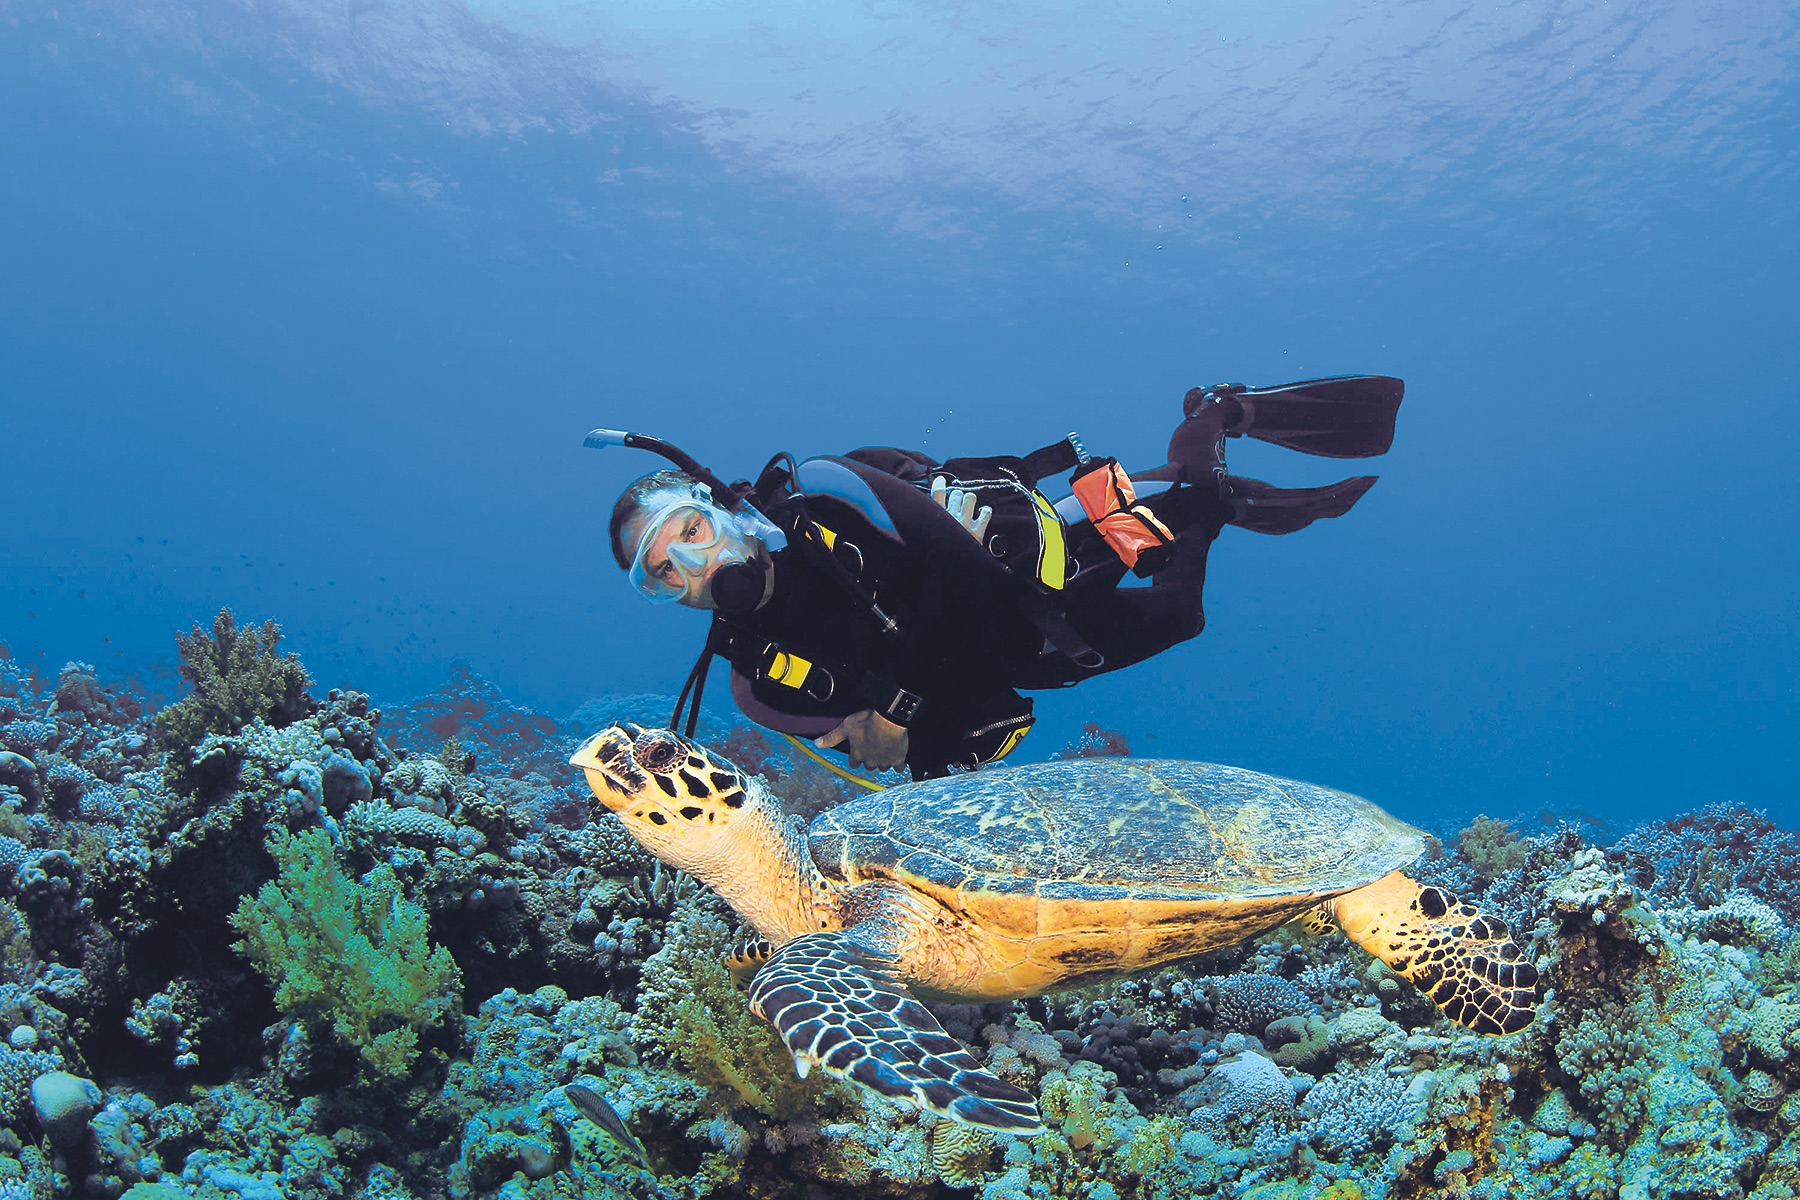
(1016, 881)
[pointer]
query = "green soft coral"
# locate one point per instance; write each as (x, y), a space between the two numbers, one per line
(1491, 847)
(355, 956)
(689, 1013)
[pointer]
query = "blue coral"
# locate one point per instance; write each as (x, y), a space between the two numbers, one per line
(1247, 1003)
(28, 736)
(1348, 1112)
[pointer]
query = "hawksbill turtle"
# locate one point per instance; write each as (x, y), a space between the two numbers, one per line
(1016, 881)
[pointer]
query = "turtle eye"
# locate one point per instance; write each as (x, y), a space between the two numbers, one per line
(656, 750)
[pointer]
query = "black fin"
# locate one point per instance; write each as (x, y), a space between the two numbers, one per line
(1260, 508)
(1347, 416)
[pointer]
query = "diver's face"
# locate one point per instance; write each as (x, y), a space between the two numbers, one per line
(690, 543)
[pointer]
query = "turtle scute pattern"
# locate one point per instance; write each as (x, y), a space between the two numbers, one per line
(1203, 827)
(837, 1005)
(1464, 959)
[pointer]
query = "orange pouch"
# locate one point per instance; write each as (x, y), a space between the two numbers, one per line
(1136, 535)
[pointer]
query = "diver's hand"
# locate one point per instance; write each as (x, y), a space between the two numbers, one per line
(961, 505)
(873, 740)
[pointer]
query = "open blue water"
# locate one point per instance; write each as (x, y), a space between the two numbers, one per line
(305, 308)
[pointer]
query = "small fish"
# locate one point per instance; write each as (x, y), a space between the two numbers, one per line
(594, 1107)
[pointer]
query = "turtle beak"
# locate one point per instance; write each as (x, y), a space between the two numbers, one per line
(606, 760)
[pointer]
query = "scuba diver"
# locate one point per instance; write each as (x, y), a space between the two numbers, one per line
(892, 607)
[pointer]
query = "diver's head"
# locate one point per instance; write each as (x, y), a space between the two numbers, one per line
(676, 544)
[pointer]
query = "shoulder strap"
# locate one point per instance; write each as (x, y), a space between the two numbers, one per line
(1053, 459)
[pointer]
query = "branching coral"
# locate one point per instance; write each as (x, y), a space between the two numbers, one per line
(1349, 1111)
(355, 956)
(1096, 741)
(1249, 1002)
(1701, 858)
(238, 677)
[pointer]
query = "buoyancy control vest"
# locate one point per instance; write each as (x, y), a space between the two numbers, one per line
(880, 496)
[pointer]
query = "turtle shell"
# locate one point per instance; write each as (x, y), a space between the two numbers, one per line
(1097, 828)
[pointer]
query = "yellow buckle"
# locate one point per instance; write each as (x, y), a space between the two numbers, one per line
(789, 669)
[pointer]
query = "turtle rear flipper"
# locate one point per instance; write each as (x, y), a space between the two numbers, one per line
(1460, 957)
(838, 1007)
(746, 958)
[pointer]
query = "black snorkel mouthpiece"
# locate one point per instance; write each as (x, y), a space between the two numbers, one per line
(724, 495)
(737, 588)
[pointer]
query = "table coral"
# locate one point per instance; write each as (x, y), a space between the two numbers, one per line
(1740, 919)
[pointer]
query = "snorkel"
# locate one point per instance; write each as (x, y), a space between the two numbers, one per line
(740, 580)
(723, 494)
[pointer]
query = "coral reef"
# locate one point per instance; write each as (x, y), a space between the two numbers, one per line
(258, 944)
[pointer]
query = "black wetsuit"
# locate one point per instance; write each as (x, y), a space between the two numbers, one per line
(965, 645)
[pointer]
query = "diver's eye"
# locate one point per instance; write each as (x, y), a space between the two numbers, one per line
(693, 531)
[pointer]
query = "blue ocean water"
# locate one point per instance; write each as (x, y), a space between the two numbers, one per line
(306, 308)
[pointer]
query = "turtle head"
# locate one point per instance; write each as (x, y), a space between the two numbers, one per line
(697, 812)
(676, 797)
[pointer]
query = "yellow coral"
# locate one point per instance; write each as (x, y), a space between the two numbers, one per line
(1151, 1145)
(1075, 1104)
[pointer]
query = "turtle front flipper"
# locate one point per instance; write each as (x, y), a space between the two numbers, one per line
(838, 1006)
(1460, 957)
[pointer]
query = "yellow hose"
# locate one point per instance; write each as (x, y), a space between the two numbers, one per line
(813, 754)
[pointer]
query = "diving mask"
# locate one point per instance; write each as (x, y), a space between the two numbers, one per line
(688, 537)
